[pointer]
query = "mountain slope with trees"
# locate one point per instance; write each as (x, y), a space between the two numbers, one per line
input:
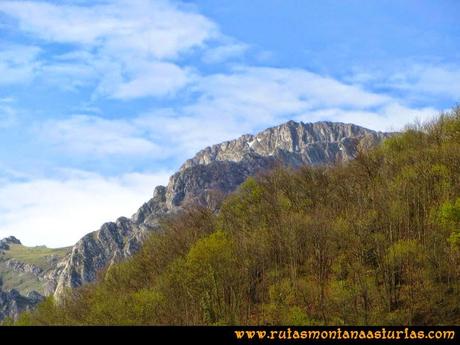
(375, 240)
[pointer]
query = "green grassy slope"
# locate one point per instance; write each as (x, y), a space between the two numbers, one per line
(40, 256)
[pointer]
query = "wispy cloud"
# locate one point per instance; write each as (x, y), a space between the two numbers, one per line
(391, 117)
(431, 79)
(252, 98)
(8, 112)
(18, 63)
(83, 135)
(160, 28)
(224, 52)
(283, 90)
(149, 79)
(127, 48)
(415, 80)
(226, 106)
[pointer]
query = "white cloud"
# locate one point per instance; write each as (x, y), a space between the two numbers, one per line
(96, 136)
(252, 99)
(58, 212)
(126, 47)
(8, 112)
(392, 117)
(63, 24)
(440, 80)
(153, 79)
(282, 90)
(417, 80)
(156, 28)
(68, 76)
(229, 105)
(183, 134)
(7, 116)
(18, 64)
(224, 52)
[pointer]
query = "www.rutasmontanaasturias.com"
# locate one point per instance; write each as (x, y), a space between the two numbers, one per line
(340, 333)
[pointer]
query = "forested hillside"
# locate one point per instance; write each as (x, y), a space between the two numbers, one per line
(372, 241)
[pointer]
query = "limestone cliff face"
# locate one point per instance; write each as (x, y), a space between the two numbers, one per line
(220, 168)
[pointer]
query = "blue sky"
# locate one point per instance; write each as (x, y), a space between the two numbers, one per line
(102, 100)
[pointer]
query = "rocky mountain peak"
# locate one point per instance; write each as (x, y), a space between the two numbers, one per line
(10, 240)
(5, 243)
(306, 139)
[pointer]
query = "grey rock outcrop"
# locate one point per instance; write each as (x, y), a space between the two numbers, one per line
(6, 242)
(12, 303)
(22, 267)
(308, 143)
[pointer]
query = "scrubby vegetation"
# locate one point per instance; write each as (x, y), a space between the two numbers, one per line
(374, 241)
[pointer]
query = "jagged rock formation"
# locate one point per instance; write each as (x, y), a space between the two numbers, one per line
(6, 242)
(12, 303)
(295, 143)
(221, 168)
(23, 267)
